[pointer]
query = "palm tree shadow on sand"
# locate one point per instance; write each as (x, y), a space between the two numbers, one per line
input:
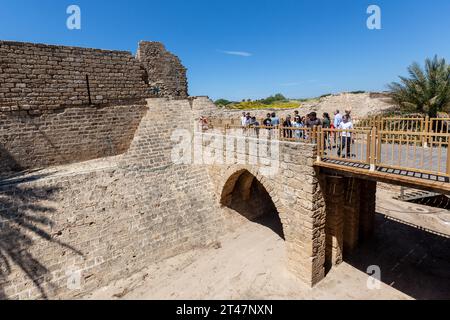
(22, 219)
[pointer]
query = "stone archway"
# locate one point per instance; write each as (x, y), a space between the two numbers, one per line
(245, 194)
(299, 203)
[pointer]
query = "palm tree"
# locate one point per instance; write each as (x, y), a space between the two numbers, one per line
(426, 90)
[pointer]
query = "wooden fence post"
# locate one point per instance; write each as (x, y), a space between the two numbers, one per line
(369, 147)
(427, 131)
(320, 149)
(448, 156)
(314, 134)
(380, 126)
(375, 148)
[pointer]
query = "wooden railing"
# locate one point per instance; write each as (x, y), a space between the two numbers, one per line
(413, 152)
(409, 124)
(292, 134)
(421, 152)
(412, 123)
(351, 145)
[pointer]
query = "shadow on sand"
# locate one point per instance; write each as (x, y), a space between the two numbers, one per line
(412, 261)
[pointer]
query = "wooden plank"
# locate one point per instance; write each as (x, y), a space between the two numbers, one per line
(411, 182)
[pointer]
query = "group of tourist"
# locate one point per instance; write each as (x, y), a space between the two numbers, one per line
(309, 121)
(295, 127)
(339, 135)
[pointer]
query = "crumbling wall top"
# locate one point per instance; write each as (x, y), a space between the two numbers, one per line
(166, 74)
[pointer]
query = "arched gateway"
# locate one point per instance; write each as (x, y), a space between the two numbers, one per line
(289, 201)
(245, 194)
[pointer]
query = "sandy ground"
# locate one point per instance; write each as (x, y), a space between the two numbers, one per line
(250, 264)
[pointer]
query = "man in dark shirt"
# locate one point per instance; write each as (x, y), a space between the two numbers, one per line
(268, 121)
(312, 120)
(287, 124)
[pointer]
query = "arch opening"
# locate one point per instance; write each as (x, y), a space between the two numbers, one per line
(247, 196)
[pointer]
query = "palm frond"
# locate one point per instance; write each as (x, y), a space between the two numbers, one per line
(425, 89)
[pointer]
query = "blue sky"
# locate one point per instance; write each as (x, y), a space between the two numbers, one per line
(239, 49)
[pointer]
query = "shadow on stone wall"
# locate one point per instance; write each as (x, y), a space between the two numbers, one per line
(23, 222)
(412, 261)
(8, 164)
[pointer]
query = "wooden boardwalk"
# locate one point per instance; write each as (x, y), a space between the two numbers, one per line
(397, 159)
(406, 151)
(404, 178)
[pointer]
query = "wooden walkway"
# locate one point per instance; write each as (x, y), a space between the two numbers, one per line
(397, 160)
(395, 177)
(417, 157)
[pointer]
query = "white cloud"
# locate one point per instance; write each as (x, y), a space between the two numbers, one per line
(294, 84)
(237, 53)
(290, 84)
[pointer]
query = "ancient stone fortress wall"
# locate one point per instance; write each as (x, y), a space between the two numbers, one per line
(297, 195)
(72, 135)
(38, 77)
(69, 229)
(64, 104)
(322, 214)
(165, 72)
(77, 225)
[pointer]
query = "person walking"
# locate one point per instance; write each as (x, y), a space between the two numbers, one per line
(336, 123)
(287, 133)
(312, 121)
(298, 134)
(243, 119)
(275, 120)
(326, 121)
(337, 119)
(268, 121)
(254, 124)
(248, 119)
(326, 124)
(346, 138)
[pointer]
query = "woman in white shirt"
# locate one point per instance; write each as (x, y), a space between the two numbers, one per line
(346, 136)
(298, 124)
(244, 119)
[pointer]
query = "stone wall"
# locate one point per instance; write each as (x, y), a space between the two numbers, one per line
(105, 224)
(105, 219)
(165, 72)
(72, 135)
(35, 77)
(62, 105)
(68, 229)
(350, 214)
(294, 188)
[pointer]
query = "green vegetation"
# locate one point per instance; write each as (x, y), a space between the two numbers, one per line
(274, 99)
(255, 105)
(357, 92)
(277, 101)
(426, 90)
(222, 102)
